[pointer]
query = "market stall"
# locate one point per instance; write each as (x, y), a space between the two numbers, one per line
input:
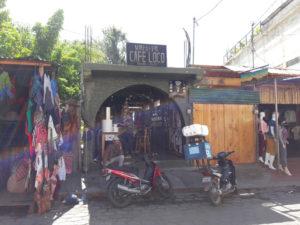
(32, 146)
(279, 92)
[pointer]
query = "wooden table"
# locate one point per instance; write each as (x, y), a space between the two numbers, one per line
(103, 139)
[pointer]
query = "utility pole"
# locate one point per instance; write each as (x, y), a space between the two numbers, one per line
(252, 44)
(194, 24)
(88, 43)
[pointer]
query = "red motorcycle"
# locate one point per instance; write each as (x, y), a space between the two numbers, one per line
(123, 186)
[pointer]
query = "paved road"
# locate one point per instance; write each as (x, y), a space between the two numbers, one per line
(276, 206)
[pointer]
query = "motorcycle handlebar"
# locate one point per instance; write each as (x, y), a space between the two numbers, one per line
(216, 158)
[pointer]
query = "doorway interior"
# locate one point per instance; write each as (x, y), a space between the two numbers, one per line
(153, 117)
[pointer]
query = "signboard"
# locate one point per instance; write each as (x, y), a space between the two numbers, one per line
(146, 55)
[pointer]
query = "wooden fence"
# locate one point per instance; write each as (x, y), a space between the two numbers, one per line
(286, 95)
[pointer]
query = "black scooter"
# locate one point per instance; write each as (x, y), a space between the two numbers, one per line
(221, 180)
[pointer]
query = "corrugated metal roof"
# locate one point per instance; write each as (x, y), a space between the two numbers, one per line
(219, 71)
(30, 58)
(259, 74)
(224, 96)
(25, 61)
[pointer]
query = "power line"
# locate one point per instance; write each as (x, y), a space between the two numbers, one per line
(195, 23)
(206, 14)
(267, 10)
(254, 25)
(73, 32)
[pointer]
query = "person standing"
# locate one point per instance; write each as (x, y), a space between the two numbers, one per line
(126, 134)
(283, 141)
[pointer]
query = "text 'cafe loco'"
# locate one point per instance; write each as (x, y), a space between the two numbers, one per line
(146, 54)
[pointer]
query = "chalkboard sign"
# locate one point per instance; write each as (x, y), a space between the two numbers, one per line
(146, 55)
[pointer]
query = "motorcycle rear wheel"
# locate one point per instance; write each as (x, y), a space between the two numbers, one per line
(117, 197)
(214, 194)
(164, 186)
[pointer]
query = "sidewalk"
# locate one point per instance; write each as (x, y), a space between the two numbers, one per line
(188, 179)
(183, 177)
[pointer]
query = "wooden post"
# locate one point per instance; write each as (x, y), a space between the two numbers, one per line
(276, 119)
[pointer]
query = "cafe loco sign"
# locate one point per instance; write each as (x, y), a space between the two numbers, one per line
(146, 55)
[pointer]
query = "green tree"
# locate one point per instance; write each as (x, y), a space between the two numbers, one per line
(97, 55)
(46, 36)
(15, 41)
(69, 57)
(26, 41)
(114, 45)
(9, 40)
(3, 12)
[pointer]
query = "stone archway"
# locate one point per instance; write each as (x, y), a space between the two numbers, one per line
(98, 90)
(163, 122)
(138, 92)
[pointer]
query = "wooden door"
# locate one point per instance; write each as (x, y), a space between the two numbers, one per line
(231, 127)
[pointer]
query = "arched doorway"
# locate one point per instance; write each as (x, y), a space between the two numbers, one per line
(155, 120)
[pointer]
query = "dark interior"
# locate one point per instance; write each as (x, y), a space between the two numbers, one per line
(146, 113)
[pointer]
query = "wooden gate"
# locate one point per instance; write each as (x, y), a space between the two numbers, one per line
(231, 127)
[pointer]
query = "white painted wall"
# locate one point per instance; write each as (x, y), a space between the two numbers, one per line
(278, 42)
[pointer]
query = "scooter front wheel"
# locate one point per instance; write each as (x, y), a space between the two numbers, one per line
(164, 186)
(214, 193)
(117, 197)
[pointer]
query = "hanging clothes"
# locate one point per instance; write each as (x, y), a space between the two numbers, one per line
(290, 116)
(54, 88)
(37, 90)
(49, 105)
(68, 158)
(62, 169)
(42, 195)
(30, 139)
(41, 166)
(40, 134)
(48, 95)
(296, 132)
(52, 136)
(5, 86)
(263, 130)
(29, 116)
(272, 128)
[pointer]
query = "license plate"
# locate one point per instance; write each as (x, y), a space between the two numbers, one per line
(107, 178)
(206, 179)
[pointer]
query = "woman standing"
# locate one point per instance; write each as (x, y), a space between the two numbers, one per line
(283, 141)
